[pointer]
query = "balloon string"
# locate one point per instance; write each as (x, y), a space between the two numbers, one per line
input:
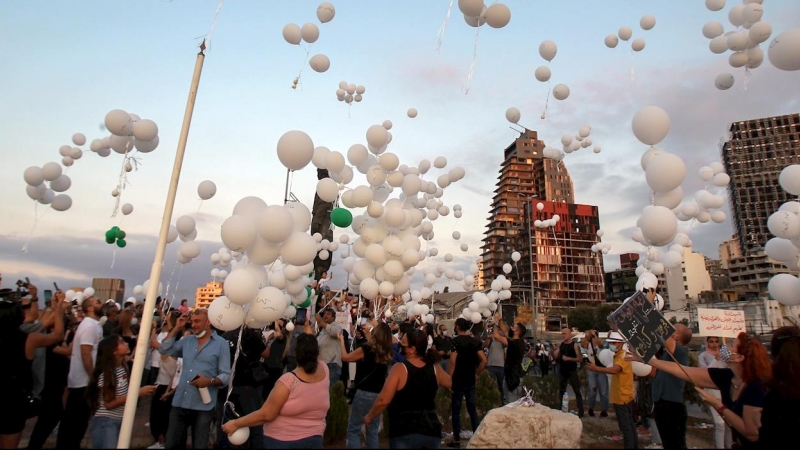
(633, 74)
(123, 176)
(746, 78)
(213, 24)
(474, 60)
(178, 283)
(199, 206)
(166, 291)
(302, 67)
(443, 28)
(546, 101)
(36, 218)
(228, 403)
(113, 258)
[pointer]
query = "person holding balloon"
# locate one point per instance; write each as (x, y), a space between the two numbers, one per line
(621, 390)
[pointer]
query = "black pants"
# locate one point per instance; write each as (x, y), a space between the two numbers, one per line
(571, 377)
(159, 413)
(50, 414)
(627, 425)
(246, 400)
(671, 422)
(75, 420)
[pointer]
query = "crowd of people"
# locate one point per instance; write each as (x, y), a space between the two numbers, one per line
(70, 367)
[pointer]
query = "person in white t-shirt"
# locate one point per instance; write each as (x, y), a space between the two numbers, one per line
(81, 366)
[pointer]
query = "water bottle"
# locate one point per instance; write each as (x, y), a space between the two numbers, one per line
(565, 403)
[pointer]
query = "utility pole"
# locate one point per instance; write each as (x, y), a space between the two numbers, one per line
(143, 341)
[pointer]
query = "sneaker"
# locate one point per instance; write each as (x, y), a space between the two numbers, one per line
(654, 445)
(603, 414)
(591, 412)
(157, 445)
(466, 434)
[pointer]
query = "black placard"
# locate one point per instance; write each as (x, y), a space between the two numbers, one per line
(642, 325)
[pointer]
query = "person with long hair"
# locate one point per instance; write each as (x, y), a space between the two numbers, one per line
(372, 362)
(108, 391)
(711, 358)
(17, 349)
(742, 386)
(781, 414)
(409, 392)
(294, 413)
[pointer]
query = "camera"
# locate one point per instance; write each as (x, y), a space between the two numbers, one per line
(21, 291)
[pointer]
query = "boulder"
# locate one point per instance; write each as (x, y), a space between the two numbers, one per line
(527, 427)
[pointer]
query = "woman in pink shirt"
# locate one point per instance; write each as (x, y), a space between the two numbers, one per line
(294, 413)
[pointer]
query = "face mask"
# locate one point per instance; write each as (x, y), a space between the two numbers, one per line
(614, 348)
(134, 321)
(444, 332)
(201, 335)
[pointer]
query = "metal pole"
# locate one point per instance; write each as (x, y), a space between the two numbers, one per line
(143, 341)
(528, 213)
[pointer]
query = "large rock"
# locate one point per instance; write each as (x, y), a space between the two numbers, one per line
(527, 427)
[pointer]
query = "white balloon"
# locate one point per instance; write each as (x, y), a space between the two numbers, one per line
(61, 184)
(784, 50)
(715, 5)
(650, 125)
(759, 32)
(789, 179)
(61, 202)
(665, 172)
(241, 287)
(713, 29)
(127, 208)
(299, 249)
(238, 233)
(206, 189)
(724, 81)
(658, 224)
(718, 45)
(647, 22)
(513, 115)
(625, 33)
(310, 33)
(320, 63)
(325, 12)
(561, 92)
(611, 41)
(497, 15)
(548, 50)
(735, 15)
(637, 45)
(295, 149)
(292, 34)
(412, 113)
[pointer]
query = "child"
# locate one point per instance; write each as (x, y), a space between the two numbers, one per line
(108, 391)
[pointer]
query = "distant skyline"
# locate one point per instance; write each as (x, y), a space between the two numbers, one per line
(68, 63)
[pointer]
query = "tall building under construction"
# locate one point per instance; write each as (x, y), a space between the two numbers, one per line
(558, 259)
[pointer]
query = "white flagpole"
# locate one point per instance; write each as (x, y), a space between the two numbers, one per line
(143, 341)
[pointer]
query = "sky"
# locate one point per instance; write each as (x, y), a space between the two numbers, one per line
(65, 64)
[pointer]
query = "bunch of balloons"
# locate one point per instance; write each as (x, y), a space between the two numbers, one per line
(476, 13)
(647, 22)
(116, 235)
(601, 247)
(350, 93)
(785, 246)
(309, 33)
(483, 305)
(743, 42)
(706, 205)
(43, 183)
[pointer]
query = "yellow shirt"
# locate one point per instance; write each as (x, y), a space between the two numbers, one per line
(621, 391)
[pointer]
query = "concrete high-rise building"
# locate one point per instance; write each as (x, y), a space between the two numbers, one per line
(206, 294)
(685, 285)
(628, 260)
(754, 156)
(564, 270)
(621, 283)
(109, 288)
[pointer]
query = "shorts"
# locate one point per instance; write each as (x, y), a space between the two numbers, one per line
(12, 417)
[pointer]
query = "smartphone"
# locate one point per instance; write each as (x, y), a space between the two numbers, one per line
(301, 316)
(48, 294)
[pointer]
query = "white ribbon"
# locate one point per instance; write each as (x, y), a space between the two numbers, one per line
(443, 28)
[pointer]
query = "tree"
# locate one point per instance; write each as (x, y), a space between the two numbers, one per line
(582, 318)
(673, 320)
(601, 316)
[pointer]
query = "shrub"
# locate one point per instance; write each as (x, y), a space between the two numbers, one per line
(545, 389)
(487, 395)
(338, 415)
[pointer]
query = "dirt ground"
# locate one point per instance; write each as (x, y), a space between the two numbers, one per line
(604, 433)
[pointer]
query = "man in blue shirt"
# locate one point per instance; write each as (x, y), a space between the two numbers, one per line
(206, 365)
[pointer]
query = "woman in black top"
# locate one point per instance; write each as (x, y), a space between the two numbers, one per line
(410, 392)
(780, 417)
(372, 362)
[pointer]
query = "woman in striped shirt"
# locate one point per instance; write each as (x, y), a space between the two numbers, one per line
(109, 390)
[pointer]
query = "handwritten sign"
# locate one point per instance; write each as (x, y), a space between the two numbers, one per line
(343, 319)
(642, 325)
(720, 322)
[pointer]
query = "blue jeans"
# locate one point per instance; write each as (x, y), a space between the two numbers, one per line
(468, 393)
(598, 384)
(309, 442)
(180, 419)
(335, 372)
(499, 374)
(104, 432)
(415, 441)
(627, 425)
(362, 403)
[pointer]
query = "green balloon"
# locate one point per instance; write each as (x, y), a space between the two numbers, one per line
(309, 293)
(111, 234)
(110, 239)
(115, 228)
(120, 234)
(121, 243)
(341, 217)
(305, 304)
